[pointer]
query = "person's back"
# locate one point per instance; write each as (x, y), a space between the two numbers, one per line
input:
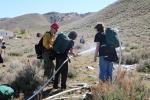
(60, 58)
(61, 43)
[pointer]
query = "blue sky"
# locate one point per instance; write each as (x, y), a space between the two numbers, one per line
(12, 8)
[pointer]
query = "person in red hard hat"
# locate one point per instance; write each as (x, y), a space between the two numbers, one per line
(48, 40)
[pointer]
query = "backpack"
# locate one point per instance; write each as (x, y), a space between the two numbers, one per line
(61, 43)
(111, 38)
(108, 48)
(6, 92)
(39, 48)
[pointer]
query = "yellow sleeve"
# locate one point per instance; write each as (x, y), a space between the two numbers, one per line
(46, 41)
(51, 41)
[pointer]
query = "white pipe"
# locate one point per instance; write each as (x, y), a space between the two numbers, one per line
(70, 90)
(68, 98)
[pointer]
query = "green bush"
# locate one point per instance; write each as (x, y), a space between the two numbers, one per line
(15, 54)
(22, 31)
(26, 80)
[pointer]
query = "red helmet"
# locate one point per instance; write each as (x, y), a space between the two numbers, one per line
(55, 26)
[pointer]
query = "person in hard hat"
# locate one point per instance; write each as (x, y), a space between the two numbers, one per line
(48, 40)
(82, 41)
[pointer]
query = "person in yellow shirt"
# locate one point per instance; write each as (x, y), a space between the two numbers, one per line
(48, 40)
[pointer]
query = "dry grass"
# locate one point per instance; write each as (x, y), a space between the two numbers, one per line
(24, 75)
(126, 87)
(132, 56)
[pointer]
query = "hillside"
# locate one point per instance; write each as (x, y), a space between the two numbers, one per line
(28, 21)
(64, 18)
(131, 17)
(38, 22)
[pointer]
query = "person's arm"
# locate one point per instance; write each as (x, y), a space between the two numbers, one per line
(96, 51)
(71, 52)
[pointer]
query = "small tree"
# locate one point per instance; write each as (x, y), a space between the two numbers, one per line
(22, 31)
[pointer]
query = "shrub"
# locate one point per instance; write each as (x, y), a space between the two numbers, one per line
(27, 50)
(27, 79)
(22, 31)
(130, 58)
(26, 82)
(126, 87)
(15, 54)
(133, 46)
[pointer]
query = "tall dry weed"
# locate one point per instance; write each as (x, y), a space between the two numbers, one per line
(124, 87)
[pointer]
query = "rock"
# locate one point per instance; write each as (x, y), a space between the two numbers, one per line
(90, 67)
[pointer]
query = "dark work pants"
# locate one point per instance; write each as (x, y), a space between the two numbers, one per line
(63, 72)
(48, 64)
